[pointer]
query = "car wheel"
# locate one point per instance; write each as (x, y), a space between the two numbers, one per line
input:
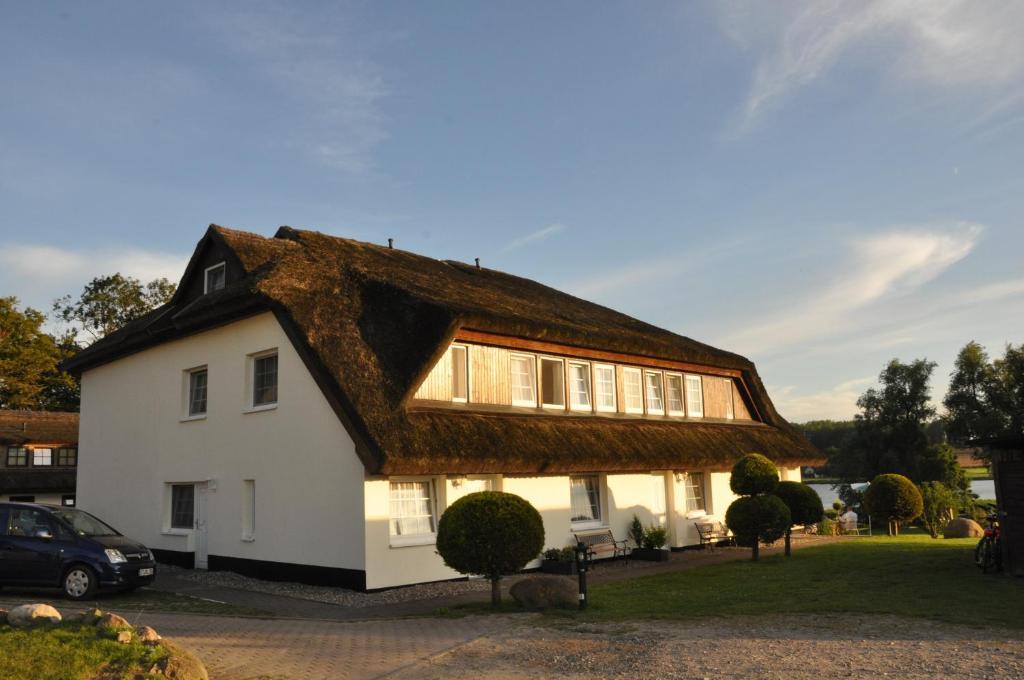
(79, 582)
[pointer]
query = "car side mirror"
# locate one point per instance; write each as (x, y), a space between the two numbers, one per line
(43, 533)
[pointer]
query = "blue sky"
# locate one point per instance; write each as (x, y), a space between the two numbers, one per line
(821, 186)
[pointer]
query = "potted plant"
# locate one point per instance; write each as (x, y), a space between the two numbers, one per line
(652, 545)
(558, 561)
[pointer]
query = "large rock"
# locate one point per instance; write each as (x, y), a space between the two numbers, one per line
(112, 623)
(962, 527)
(181, 664)
(544, 592)
(148, 636)
(32, 614)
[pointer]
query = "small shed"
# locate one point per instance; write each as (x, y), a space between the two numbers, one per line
(1008, 472)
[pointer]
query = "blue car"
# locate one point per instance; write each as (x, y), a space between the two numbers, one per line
(54, 546)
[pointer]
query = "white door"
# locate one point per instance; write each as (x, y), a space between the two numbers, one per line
(201, 529)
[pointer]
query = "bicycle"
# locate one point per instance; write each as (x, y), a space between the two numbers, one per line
(989, 553)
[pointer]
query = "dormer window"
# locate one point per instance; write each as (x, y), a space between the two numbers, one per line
(216, 277)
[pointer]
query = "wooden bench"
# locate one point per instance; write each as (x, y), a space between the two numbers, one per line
(713, 533)
(601, 544)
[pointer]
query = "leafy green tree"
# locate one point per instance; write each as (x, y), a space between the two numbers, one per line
(938, 503)
(753, 474)
(756, 516)
(973, 387)
(804, 505)
(109, 302)
(1008, 395)
(894, 499)
(490, 533)
(29, 358)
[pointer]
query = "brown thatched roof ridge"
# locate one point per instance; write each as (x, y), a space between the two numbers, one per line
(370, 321)
(18, 427)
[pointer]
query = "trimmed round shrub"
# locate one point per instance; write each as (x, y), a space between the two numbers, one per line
(753, 474)
(893, 498)
(803, 502)
(490, 533)
(758, 519)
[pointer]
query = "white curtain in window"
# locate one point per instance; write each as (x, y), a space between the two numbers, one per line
(604, 387)
(655, 404)
(633, 388)
(412, 509)
(694, 397)
(674, 392)
(585, 493)
(523, 381)
(579, 385)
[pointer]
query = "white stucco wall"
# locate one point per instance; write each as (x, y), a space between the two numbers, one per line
(309, 482)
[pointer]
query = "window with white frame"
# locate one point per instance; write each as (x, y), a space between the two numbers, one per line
(730, 412)
(524, 380)
(460, 373)
(413, 510)
(632, 390)
(42, 457)
(695, 492)
(216, 277)
(263, 373)
(694, 397)
(674, 393)
(474, 484)
(197, 386)
(579, 386)
(585, 497)
(604, 388)
(552, 383)
(248, 509)
(655, 400)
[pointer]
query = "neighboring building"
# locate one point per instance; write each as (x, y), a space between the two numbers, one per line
(307, 406)
(1008, 472)
(38, 456)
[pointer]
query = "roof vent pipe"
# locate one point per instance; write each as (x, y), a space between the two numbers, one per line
(391, 243)
(477, 259)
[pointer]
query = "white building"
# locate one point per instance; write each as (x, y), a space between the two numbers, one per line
(307, 406)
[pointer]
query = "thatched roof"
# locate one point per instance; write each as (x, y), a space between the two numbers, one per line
(370, 321)
(18, 428)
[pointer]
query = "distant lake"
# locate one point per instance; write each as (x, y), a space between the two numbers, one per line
(985, 488)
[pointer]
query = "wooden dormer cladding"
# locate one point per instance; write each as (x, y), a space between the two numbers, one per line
(489, 371)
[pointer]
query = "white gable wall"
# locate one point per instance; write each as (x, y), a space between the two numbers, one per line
(309, 481)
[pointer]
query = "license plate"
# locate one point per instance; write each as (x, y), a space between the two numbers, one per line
(148, 571)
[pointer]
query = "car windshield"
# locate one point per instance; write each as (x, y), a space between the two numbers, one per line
(84, 524)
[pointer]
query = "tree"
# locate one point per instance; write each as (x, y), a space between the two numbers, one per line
(804, 505)
(29, 358)
(937, 504)
(109, 302)
(893, 498)
(490, 533)
(756, 516)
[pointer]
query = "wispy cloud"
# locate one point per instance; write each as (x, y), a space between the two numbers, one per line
(312, 59)
(876, 268)
(947, 43)
(533, 237)
(836, 403)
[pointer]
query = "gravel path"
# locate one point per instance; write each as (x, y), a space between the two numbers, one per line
(779, 646)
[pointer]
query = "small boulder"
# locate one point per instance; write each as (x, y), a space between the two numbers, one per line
(148, 636)
(32, 614)
(962, 527)
(91, 616)
(112, 622)
(124, 637)
(181, 664)
(544, 592)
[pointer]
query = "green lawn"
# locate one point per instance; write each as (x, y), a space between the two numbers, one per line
(144, 599)
(70, 652)
(912, 575)
(981, 472)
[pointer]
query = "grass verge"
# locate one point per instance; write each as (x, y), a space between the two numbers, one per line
(143, 599)
(71, 652)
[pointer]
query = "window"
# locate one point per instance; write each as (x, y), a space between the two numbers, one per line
(695, 491)
(694, 397)
(42, 457)
(460, 373)
(730, 413)
(67, 457)
(197, 380)
(604, 387)
(655, 402)
(579, 386)
(412, 509)
(632, 390)
(585, 494)
(183, 506)
(552, 383)
(17, 456)
(68, 500)
(248, 509)
(216, 277)
(28, 522)
(264, 380)
(674, 393)
(524, 380)
(475, 484)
